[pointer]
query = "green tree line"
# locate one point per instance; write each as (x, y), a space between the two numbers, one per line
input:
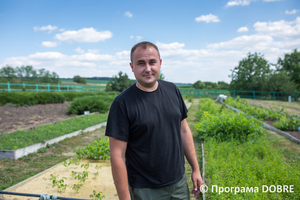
(27, 74)
(255, 73)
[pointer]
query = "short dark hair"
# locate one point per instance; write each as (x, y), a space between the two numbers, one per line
(143, 45)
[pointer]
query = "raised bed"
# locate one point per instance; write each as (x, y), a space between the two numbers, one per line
(285, 134)
(15, 154)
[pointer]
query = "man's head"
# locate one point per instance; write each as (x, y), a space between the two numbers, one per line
(145, 64)
(143, 45)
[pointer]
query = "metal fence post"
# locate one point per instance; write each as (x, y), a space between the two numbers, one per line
(58, 88)
(36, 87)
(8, 87)
(253, 94)
(24, 86)
(68, 88)
(48, 88)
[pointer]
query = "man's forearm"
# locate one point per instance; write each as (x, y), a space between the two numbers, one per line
(120, 177)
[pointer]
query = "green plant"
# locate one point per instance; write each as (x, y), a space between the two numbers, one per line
(97, 196)
(59, 183)
(99, 150)
(290, 124)
(42, 150)
(81, 176)
(98, 103)
(76, 186)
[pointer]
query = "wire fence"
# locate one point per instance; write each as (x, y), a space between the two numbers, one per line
(48, 88)
(197, 93)
(261, 95)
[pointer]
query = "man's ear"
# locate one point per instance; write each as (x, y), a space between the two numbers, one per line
(131, 65)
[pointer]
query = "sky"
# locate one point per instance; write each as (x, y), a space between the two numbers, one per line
(198, 39)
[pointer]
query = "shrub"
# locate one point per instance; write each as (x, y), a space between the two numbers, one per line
(30, 98)
(99, 103)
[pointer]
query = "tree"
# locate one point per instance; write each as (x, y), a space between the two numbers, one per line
(119, 83)
(199, 85)
(211, 85)
(280, 82)
(223, 85)
(161, 76)
(8, 73)
(291, 64)
(79, 79)
(251, 73)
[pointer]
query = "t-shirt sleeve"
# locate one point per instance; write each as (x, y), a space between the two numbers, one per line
(182, 105)
(117, 123)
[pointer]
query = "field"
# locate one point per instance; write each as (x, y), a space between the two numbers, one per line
(12, 172)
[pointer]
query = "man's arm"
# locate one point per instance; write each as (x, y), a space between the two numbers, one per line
(118, 167)
(190, 154)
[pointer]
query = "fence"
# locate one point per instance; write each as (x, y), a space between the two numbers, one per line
(48, 88)
(184, 91)
(262, 95)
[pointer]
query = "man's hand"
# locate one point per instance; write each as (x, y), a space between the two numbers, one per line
(197, 182)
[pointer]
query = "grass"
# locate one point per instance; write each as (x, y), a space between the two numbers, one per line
(268, 160)
(21, 139)
(192, 120)
(15, 171)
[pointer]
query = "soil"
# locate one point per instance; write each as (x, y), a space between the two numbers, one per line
(295, 134)
(12, 118)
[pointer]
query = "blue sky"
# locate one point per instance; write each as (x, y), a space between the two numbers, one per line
(198, 39)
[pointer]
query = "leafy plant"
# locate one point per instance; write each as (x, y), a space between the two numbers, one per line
(98, 150)
(289, 124)
(97, 196)
(59, 183)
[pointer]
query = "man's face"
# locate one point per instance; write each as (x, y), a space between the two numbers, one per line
(146, 66)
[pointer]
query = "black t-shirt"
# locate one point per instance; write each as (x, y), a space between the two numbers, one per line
(150, 123)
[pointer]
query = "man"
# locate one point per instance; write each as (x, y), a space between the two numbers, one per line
(149, 135)
(221, 97)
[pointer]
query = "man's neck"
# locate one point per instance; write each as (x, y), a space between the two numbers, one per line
(147, 88)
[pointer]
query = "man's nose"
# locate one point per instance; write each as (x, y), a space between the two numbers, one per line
(148, 68)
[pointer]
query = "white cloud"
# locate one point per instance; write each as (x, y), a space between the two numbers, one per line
(208, 18)
(138, 38)
(84, 35)
(79, 50)
(94, 51)
(238, 3)
(243, 41)
(242, 29)
(282, 28)
(128, 14)
(244, 2)
(48, 28)
(291, 12)
(50, 44)
(174, 45)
